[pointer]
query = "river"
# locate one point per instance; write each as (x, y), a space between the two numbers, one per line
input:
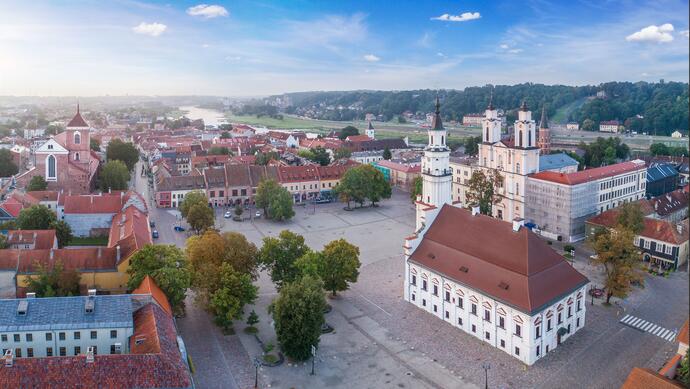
(211, 117)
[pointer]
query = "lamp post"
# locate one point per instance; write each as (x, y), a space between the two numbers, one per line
(257, 363)
(486, 366)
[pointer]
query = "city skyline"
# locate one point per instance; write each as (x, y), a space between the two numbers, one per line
(248, 49)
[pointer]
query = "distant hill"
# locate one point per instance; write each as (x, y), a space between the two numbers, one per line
(654, 107)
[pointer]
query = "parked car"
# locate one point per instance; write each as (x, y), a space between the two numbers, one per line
(323, 200)
(227, 215)
(237, 218)
(179, 228)
(154, 234)
(257, 214)
(152, 223)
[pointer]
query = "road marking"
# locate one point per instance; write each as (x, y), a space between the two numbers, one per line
(374, 304)
(646, 326)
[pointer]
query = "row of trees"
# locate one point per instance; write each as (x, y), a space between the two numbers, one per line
(661, 149)
(603, 151)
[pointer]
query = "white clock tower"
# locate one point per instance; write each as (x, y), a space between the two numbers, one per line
(436, 173)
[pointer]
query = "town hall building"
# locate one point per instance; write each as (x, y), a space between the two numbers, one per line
(496, 281)
(66, 161)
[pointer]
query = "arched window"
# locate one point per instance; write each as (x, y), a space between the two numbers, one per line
(51, 167)
(77, 138)
(487, 135)
(443, 138)
(529, 139)
(520, 138)
(76, 156)
(432, 140)
(517, 167)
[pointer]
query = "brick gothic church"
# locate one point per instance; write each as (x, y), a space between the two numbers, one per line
(66, 160)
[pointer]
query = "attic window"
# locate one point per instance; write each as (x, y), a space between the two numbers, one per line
(464, 269)
(503, 285)
(139, 339)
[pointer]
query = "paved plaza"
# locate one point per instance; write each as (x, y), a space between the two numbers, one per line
(380, 341)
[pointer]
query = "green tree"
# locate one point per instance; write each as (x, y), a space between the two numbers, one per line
(342, 153)
(387, 154)
(63, 233)
(238, 210)
(252, 319)
(37, 183)
(3, 242)
(320, 156)
(265, 158)
(122, 151)
(361, 183)
(55, 282)
(114, 176)
(229, 296)
(225, 135)
(417, 188)
(481, 190)
(191, 199)
(630, 215)
(168, 267)
(212, 248)
(275, 200)
(7, 165)
(298, 316)
(200, 217)
(337, 265)
(95, 144)
(618, 255)
(471, 145)
(588, 125)
(348, 131)
(215, 150)
(683, 370)
(36, 217)
(278, 256)
(53, 130)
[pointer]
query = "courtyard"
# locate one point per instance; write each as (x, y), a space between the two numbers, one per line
(379, 340)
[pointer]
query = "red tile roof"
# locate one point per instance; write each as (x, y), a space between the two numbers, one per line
(41, 239)
(661, 230)
(12, 207)
(589, 174)
(645, 379)
(148, 286)
(79, 259)
(130, 230)
(44, 195)
(104, 203)
(155, 363)
(683, 334)
(298, 173)
(357, 138)
(523, 271)
(77, 121)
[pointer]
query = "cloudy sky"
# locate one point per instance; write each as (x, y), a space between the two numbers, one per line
(240, 48)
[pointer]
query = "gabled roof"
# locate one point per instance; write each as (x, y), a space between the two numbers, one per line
(12, 207)
(148, 286)
(522, 271)
(645, 379)
(589, 175)
(656, 229)
(660, 171)
(130, 231)
(41, 239)
(103, 203)
(77, 120)
(666, 204)
(556, 161)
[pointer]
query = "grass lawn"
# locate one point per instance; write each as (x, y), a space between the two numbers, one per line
(89, 241)
(561, 115)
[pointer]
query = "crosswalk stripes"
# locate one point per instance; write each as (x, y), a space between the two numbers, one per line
(644, 325)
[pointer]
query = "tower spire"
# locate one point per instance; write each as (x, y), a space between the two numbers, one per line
(491, 100)
(77, 106)
(523, 107)
(543, 123)
(438, 105)
(436, 123)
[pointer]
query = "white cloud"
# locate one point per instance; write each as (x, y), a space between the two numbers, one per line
(685, 33)
(440, 54)
(207, 11)
(465, 16)
(371, 58)
(515, 51)
(152, 29)
(658, 34)
(504, 46)
(205, 45)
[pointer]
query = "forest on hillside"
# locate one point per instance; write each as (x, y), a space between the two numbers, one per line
(659, 108)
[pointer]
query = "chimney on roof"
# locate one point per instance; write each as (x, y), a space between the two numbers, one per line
(517, 223)
(475, 210)
(90, 355)
(8, 357)
(31, 295)
(117, 251)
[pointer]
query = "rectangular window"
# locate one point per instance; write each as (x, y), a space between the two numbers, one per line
(77, 350)
(548, 325)
(61, 335)
(518, 330)
(570, 312)
(517, 351)
(459, 321)
(424, 285)
(63, 351)
(30, 352)
(448, 296)
(487, 335)
(49, 351)
(474, 309)
(447, 315)
(29, 337)
(487, 315)
(577, 323)
(18, 352)
(474, 328)
(3, 338)
(424, 302)
(503, 343)
(414, 280)
(538, 331)
(95, 350)
(16, 338)
(77, 335)
(669, 249)
(49, 336)
(94, 335)
(435, 290)
(112, 349)
(435, 308)
(579, 305)
(413, 297)
(538, 350)
(501, 322)
(460, 303)
(113, 334)
(560, 317)
(647, 244)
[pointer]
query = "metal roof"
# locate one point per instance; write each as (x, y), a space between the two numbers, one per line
(66, 313)
(555, 161)
(660, 171)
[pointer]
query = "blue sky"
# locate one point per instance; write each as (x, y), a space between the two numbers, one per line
(243, 48)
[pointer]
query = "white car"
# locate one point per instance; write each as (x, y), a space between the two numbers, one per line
(227, 215)
(257, 214)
